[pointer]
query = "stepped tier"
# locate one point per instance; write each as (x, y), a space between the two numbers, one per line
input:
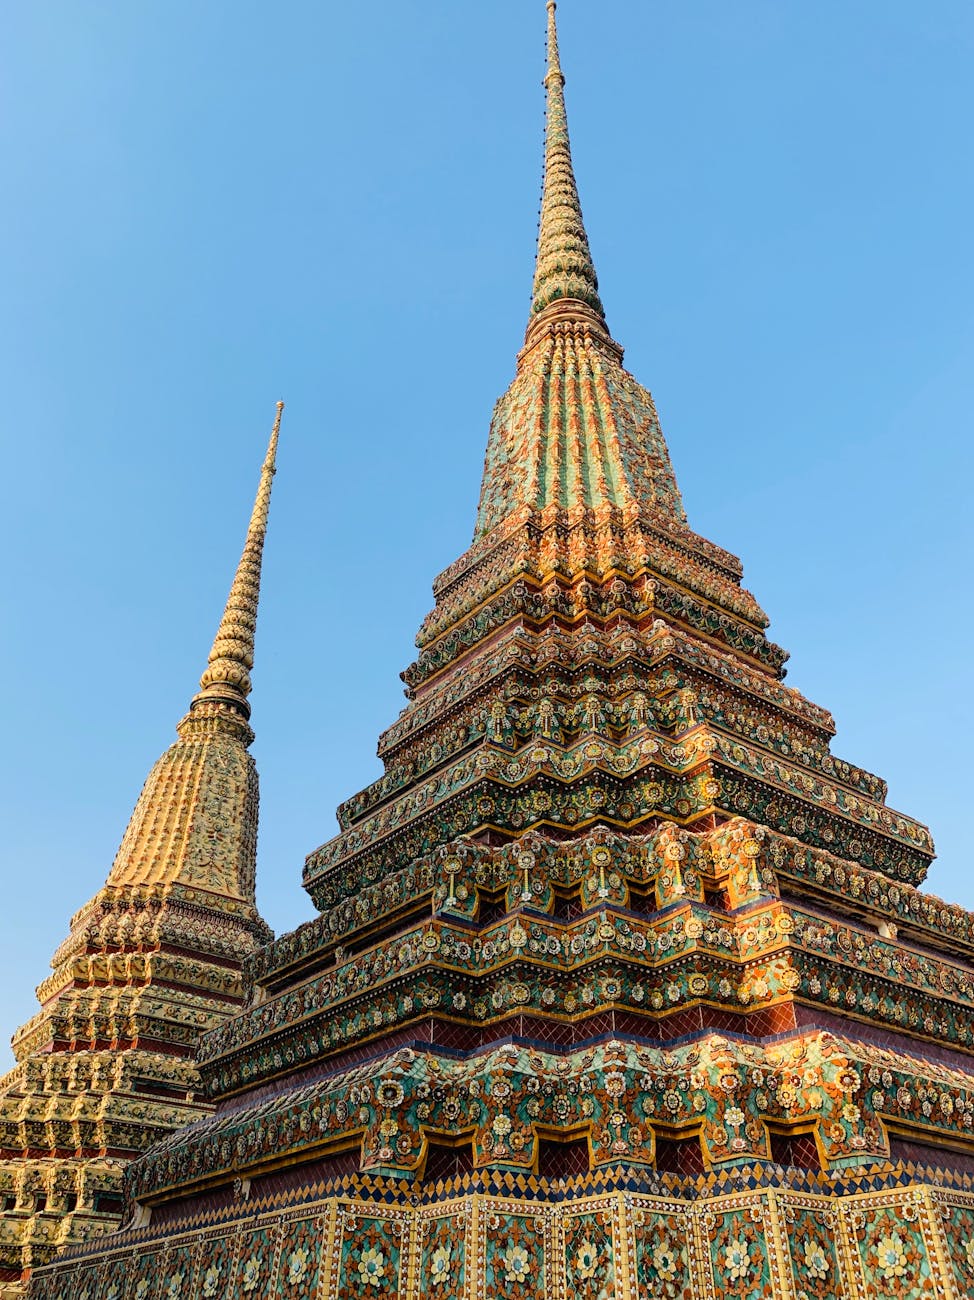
(613, 915)
(696, 1060)
(735, 939)
(601, 693)
(106, 1067)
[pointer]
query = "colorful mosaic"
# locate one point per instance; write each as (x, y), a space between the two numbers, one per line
(812, 1235)
(515, 1260)
(622, 984)
(755, 1244)
(216, 1267)
(369, 1258)
(255, 1271)
(738, 1247)
(893, 1251)
(443, 1262)
(661, 1251)
(300, 1259)
(589, 1259)
(958, 1229)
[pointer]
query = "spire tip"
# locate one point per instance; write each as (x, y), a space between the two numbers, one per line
(227, 676)
(564, 272)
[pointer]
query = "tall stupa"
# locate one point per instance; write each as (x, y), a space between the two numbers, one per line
(623, 984)
(105, 1068)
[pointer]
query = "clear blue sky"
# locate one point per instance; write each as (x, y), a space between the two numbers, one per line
(208, 206)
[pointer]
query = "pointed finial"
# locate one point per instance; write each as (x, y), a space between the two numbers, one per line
(564, 270)
(554, 59)
(226, 680)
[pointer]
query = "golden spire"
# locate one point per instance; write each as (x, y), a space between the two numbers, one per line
(564, 268)
(574, 432)
(195, 823)
(226, 680)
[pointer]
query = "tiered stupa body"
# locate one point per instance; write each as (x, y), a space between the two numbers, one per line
(106, 1067)
(622, 984)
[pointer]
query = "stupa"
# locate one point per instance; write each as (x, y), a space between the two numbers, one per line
(105, 1068)
(623, 985)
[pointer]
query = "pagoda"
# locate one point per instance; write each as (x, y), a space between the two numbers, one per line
(105, 1068)
(623, 985)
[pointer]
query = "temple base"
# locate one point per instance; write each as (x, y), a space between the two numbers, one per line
(896, 1232)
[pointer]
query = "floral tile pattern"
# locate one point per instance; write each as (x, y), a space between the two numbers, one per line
(88, 1284)
(145, 1277)
(371, 1250)
(523, 1251)
(811, 1236)
(893, 1253)
(739, 1255)
(176, 1281)
(663, 1257)
(958, 1222)
(98, 1282)
(300, 1259)
(50, 1288)
(589, 1263)
(216, 1267)
(515, 1257)
(59, 1286)
(443, 1258)
(254, 1274)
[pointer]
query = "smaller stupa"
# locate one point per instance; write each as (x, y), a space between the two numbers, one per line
(106, 1067)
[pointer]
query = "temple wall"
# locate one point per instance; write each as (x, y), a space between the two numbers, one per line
(909, 1243)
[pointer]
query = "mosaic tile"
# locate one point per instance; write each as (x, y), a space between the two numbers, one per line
(443, 1257)
(370, 1256)
(958, 1223)
(663, 1256)
(216, 1266)
(143, 1277)
(50, 1288)
(302, 1243)
(588, 1256)
(177, 1279)
(811, 1237)
(893, 1253)
(739, 1254)
(98, 1281)
(514, 1262)
(254, 1272)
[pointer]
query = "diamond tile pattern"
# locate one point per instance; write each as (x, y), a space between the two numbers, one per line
(927, 1155)
(771, 1020)
(682, 1156)
(443, 1162)
(563, 1159)
(282, 1181)
(798, 1150)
